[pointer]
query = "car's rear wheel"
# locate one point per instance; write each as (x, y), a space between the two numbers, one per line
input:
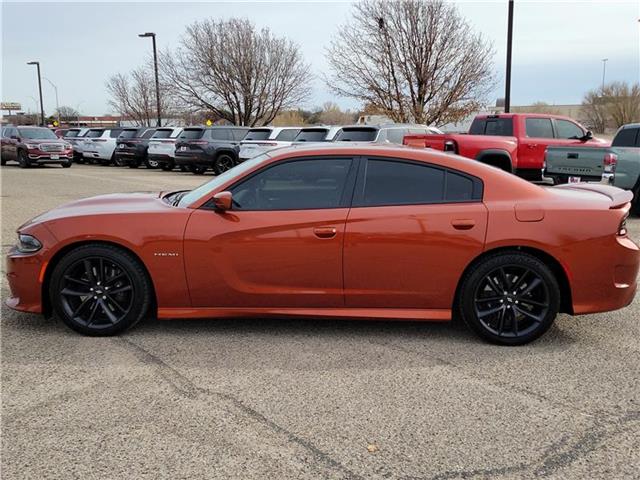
(99, 290)
(198, 169)
(151, 163)
(509, 298)
(223, 163)
(23, 159)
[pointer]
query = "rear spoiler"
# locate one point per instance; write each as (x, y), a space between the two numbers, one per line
(618, 197)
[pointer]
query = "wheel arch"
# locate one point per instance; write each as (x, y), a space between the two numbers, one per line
(566, 299)
(55, 259)
(226, 151)
(497, 158)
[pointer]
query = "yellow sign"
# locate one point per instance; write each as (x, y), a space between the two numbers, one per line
(55, 123)
(209, 122)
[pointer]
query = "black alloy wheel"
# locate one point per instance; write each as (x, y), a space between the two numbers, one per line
(223, 163)
(23, 159)
(99, 290)
(510, 299)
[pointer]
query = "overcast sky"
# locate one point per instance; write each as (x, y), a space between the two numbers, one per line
(557, 56)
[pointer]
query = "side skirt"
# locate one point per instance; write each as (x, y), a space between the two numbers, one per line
(440, 315)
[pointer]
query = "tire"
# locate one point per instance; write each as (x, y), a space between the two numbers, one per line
(197, 169)
(117, 161)
(153, 164)
(499, 314)
(79, 285)
(635, 204)
(23, 160)
(66, 164)
(3, 162)
(222, 163)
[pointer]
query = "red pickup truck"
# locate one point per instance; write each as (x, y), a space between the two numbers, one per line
(515, 142)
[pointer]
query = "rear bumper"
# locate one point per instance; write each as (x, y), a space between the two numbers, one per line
(560, 178)
(161, 158)
(129, 157)
(197, 159)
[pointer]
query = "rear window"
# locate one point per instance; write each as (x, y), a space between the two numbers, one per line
(357, 135)
(627, 137)
(502, 127)
(192, 133)
(94, 133)
(130, 133)
(311, 135)
(258, 134)
(288, 135)
(163, 133)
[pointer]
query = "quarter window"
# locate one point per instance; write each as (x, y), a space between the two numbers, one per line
(297, 185)
(539, 128)
(626, 138)
(566, 129)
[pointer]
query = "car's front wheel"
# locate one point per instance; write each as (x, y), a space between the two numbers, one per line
(99, 290)
(23, 159)
(66, 164)
(509, 298)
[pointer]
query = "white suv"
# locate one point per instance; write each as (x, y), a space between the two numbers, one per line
(100, 144)
(75, 136)
(162, 147)
(263, 139)
(320, 133)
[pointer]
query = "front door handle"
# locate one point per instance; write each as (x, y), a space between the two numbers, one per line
(463, 224)
(325, 232)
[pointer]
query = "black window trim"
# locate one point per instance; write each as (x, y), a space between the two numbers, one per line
(541, 117)
(358, 194)
(347, 194)
(555, 128)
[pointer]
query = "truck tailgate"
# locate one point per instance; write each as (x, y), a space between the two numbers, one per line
(575, 161)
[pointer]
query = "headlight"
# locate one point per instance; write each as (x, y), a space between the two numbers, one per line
(32, 145)
(68, 146)
(28, 243)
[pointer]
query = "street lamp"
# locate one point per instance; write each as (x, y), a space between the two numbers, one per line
(57, 104)
(155, 67)
(507, 87)
(37, 64)
(604, 69)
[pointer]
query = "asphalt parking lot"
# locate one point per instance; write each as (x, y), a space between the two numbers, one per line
(305, 398)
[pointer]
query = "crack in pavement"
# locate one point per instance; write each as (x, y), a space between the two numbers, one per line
(184, 386)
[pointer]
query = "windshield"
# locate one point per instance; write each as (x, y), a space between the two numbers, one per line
(37, 133)
(235, 172)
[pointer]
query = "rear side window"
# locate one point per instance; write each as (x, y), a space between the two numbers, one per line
(502, 127)
(287, 135)
(301, 184)
(258, 134)
(539, 128)
(627, 137)
(192, 133)
(94, 133)
(219, 134)
(567, 129)
(395, 182)
(311, 135)
(356, 135)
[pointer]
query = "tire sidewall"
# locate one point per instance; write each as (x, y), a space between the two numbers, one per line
(140, 281)
(479, 271)
(219, 163)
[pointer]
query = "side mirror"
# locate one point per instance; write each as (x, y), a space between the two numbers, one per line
(587, 136)
(15, 137)
(223, 201)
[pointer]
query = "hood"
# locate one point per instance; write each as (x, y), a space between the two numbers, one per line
(116, 203)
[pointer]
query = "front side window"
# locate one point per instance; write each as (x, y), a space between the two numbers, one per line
(539, 128)
(626, 138)
(296, 185)
(568, 130)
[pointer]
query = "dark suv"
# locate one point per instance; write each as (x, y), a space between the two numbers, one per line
(199, 148)
(34, 146)
(131, 147)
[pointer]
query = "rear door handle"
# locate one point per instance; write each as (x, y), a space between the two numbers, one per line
(463, 224)
(325, 232)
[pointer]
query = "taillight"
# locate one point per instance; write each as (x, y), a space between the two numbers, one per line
(450, 146)
(622, 229)
(610, 161)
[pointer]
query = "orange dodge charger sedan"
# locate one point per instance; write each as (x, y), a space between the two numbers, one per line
(349, 231)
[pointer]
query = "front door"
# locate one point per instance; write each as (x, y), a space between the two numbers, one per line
(412, 231)
(281, 243)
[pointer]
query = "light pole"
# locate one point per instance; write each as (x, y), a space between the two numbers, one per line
(57, 104)
(155, 67)
(78, 112)
(37, 64)
(507, 87)
(604, 70)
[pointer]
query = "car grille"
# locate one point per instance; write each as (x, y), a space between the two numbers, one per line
(51, 147)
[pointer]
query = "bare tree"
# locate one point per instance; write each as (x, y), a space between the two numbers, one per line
(412, 60)
(236, 72)
(133, 95)
(617, 104)
(66, 113)
(332, 114)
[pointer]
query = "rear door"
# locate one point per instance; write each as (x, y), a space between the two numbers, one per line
(533, 141)
(412, 230)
